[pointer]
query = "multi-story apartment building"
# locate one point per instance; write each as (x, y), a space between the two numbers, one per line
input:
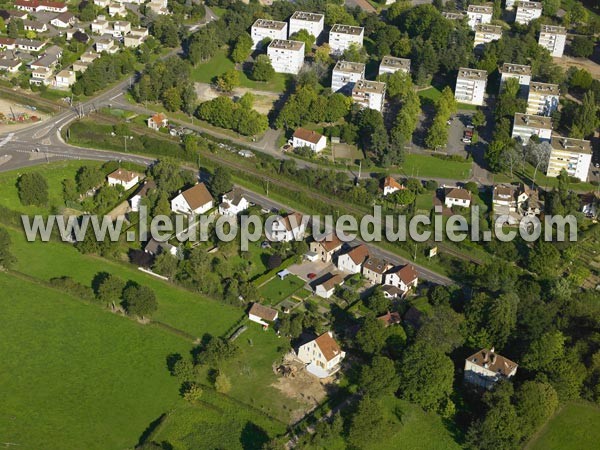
(528, 11)
(390, 64)
(345, 74)
(553, 39)
(525, 126)
(510, 4)
(479, 14)
(573, 155)
(470, 86)
(286, 56)
(311, 22)
(485, 33)
(520, 72)
(267, 29)
(369, 94)
(543, 98)
(341, 37)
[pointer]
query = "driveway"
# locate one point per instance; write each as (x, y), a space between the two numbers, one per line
(318, 267)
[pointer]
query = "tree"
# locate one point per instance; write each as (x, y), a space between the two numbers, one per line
(262, 70)
(377, 302)
(228, 81)
(478, 119)
(109, 289)
(367, 424)
(171, 98)
(6, 257)
(586, 115)
(222, 383)
(538, 154)
(502, 318)
(379, 377)
(13, 29)
(544, 351)
(274, 261)
(183, 369)
(443, 329)
(88, 178)
(139, 300)
(426, 375)
(582, 46)
(191, 392)
(371, 336)
(403, 197)
(220, 182)
(438, 134)
(242, 48)
(33, 189)
(535, 403)
(165, 264)
(304, 36)
(543, 259)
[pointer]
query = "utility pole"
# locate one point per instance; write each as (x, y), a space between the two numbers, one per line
(267, 188)
(359, 170)
(415, 257)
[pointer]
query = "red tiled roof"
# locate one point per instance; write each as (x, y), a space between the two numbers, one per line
(493, 362)
(123, 175)
(197, 196)
(391, 182)
(328, 346)
(308, 135)
(407, 274)
(330, 242)
(359, 253)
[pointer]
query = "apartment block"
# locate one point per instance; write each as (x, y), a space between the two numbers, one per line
(542, 99)
(525, 126)
(573, 155)
(390, 64)
(510, 4)
(369, 94)
(470, 86)
(271, 29)
(345, 74)
(553, 38)
(478, 15)
(486, 33)
(286, 56)
(520, 72)
(528, 11)
(341, 37)
(311, 22)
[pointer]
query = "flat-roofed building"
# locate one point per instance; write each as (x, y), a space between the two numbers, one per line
(267, 29)
(525, 126)
(485, 34)
(542, 98)
(64, 79)
(341, 37)
(369, 94)
(286, 56)
(510, 4)
(390, 64)
(553, 39)
(453, 15)
(470, 86)
(311, 22)
(573, 155)
(520, 72)
(345, 74)
(479, 14)
(528, 11)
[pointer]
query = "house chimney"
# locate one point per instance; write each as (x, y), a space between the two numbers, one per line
(492, 350)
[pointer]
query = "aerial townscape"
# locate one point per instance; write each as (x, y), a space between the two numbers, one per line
(180, 322)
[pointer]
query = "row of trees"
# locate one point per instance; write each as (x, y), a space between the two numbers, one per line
(238, 116)
(437, 137)
(103, 71)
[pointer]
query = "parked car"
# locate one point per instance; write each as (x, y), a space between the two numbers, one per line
(311, 276)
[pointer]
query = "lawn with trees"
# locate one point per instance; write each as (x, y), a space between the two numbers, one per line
(69, 366)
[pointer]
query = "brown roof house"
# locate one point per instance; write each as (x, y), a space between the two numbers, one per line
(485, 368)
(327, 288)
(390, 185)
(374, 270)
(404, 278)
(352, 261)
(233, 203)
(136, 199)
(262, 314)
(123, 177)
(457, 197)
(390, 318)
(308, 138)
(157, 121)
(196, 200)
(322, 356)
(326, 247)
(286, 229)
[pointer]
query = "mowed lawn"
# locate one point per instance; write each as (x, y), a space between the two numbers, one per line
(276, 290)
(429, 166)
(220, 63)
(177, 307)
(54, 173)
(575, 427)
(74, 376)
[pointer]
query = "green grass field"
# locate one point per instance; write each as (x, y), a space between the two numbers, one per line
(429, 166)
(576, 426)
(277, 290)
(54, 174)
(76, 376)
(220, 63)
(177, 307)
